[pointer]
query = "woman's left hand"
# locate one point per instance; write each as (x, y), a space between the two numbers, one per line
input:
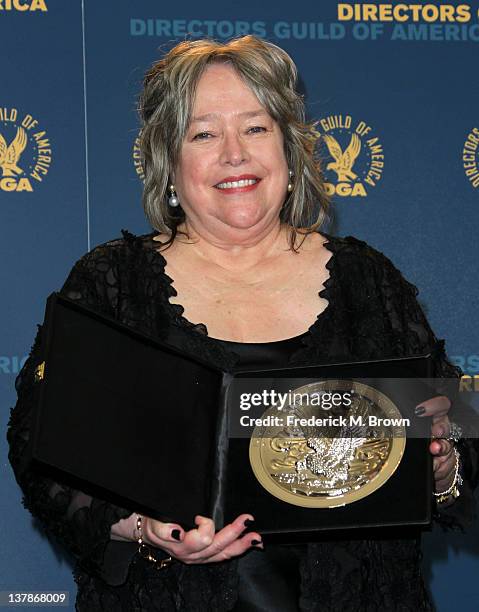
(444, 462)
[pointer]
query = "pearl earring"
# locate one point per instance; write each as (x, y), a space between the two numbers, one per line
(290, 182)
(173, 199)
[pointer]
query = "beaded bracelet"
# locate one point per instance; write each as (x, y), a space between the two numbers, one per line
(145, 552)
(453, 490)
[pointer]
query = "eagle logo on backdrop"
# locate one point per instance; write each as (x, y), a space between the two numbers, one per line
(25, 151)
(10, 153)
(353, 155)
(343, 162)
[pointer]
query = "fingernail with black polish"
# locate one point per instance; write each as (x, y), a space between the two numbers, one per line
(419, 410)
(248, 522)
(255, 542)
(176, 534)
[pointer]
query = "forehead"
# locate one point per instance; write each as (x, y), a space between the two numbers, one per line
(221, 90)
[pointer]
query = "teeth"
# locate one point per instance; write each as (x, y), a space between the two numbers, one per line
(233, 184)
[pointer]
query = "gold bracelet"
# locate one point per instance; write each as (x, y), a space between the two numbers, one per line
(453, 490)
(145, 551)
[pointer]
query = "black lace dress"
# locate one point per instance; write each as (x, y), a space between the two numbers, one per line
(372, 313)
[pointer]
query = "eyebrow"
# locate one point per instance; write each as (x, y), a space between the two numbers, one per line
(245, 114)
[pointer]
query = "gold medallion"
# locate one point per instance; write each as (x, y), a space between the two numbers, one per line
(319, 457)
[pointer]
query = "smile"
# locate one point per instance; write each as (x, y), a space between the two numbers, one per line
(244, 183)
(233, 184)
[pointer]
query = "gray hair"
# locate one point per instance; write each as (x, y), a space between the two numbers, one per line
(166, 103)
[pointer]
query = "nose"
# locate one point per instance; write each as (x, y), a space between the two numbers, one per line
(233, 151)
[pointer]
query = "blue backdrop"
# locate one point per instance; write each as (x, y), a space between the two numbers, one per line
(403, 84)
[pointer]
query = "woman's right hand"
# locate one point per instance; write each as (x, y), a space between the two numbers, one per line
(203, 544)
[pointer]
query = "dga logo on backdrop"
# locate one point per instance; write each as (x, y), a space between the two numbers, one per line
(137, 159)
(470, 157)
(23, 5)
(25, 151)
(353, 156)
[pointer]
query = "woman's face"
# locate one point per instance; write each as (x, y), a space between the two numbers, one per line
(232, 174)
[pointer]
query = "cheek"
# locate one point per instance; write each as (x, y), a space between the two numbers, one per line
(192, 173)
(279, 168)
(275, 156)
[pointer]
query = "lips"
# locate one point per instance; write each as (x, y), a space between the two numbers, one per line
(238, 184)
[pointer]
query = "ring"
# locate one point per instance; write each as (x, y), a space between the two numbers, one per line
(455, 432)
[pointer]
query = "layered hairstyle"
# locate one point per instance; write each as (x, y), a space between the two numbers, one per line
(165, 106)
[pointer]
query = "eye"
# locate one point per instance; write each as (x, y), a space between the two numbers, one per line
(202, 136)
(256, 129)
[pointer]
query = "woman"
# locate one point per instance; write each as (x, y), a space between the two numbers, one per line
(237, 272)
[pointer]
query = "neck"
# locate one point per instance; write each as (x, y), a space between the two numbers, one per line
(246, 252)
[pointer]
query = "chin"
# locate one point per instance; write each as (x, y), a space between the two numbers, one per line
(244, 217)
(244, 221)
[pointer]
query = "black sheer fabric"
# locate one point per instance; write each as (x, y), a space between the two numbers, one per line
(372, 313)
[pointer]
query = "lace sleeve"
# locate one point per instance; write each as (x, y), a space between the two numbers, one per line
(413, 335)
(78, 521)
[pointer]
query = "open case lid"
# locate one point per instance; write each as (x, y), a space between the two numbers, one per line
(123, 415)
